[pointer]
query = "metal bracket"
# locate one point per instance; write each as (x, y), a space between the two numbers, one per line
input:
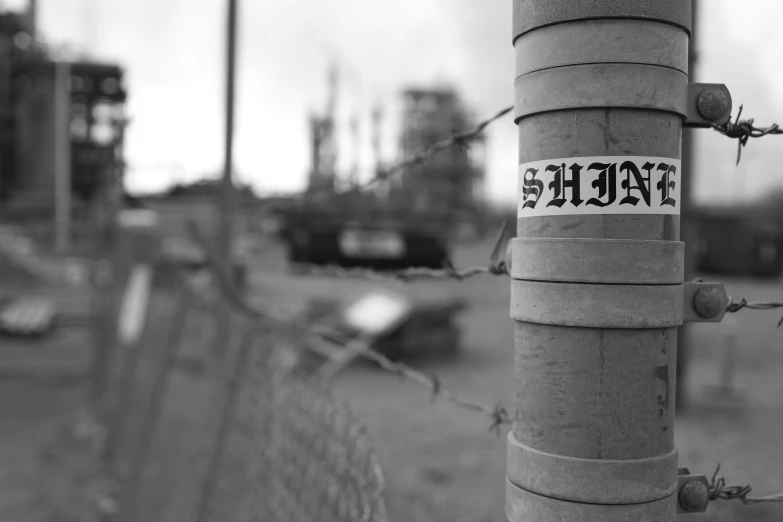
(707, 104)
(589, 305)
(693, 492)
(594, 481)
(610, 85)
(608, 261)
(704, 302)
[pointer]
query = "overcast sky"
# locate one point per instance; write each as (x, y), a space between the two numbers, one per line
(174, 54)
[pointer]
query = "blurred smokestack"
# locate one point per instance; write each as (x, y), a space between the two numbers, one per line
(32, 16)
(355, 146)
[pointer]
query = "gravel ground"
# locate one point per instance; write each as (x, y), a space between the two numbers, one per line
(440, 462)
(46, 473)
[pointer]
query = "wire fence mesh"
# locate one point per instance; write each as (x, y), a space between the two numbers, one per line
(212, 421)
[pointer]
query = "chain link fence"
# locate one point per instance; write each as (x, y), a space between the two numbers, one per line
(208, 417)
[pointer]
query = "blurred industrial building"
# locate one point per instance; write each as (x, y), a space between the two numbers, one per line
(62, 127)
(740, 240)
(411, 216)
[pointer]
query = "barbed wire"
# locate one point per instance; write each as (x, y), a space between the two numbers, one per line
(406, 275)
(498, 414)
(719, 490)
(733, 307)
(462, 140)
(496, 266)
(743, 130)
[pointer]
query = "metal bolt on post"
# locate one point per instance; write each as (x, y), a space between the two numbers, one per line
(597, 290)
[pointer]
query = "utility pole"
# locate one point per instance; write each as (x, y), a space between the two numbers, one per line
(62, 157)
(382, 189)
(32, 15)
(329, 145)
(353, 180)
(225, 238)
(687, 219)
(597, 290)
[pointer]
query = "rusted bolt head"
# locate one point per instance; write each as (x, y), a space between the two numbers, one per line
(712, 104)
(694, 496)
(709, 302)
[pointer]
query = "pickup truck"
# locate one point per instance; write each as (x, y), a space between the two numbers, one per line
(386, 246)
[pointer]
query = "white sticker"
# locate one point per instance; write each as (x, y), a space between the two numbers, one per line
(599, 185)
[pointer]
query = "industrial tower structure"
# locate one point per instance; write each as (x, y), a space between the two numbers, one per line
(61, 128)
(16, 46)
(323, 141)
(449, 186)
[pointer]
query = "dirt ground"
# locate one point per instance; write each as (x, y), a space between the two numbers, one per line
(440, 462)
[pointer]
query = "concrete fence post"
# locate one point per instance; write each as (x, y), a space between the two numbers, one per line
(129, 290)
(597, 265)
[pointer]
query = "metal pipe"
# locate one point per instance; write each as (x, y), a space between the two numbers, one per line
(225, 238)
(689, 235)
(62, 157)
(32, 15)
(151, 418)
(600, 100)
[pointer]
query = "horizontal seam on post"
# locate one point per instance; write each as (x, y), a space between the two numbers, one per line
(589, 18)
(517, 119)
(598, 63)
(661, 456)
(635, 314)
(651, 65)
(588, 503)
(605, 104)
(606, 284)
(594, 282)
(523, 461)
(593, 503)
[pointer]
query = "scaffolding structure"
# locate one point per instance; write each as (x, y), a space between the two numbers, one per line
(62, 133)
(449, 187)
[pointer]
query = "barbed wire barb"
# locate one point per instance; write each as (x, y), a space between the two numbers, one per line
(499, 417)
(436, 387)
(719, 490)
(743, 130)
(734, 307)
(498, 265)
